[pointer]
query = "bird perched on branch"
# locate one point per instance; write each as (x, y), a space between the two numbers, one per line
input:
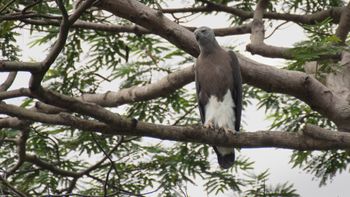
(219, 90)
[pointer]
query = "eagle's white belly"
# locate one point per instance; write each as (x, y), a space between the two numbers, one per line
(222, 115)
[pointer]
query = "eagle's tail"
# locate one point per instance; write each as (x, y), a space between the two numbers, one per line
(226, 156)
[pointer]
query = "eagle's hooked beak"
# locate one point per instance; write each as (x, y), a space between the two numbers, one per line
(196, 34)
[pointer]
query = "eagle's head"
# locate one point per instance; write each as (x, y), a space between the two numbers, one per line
(206, 39)
(204, 35)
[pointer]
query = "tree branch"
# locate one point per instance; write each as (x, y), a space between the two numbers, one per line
(136, 29)
(6, 66)
(309, 19)
(257, 45)
(8, 82)
(49, 166)
(131, 127)
(163, 87)
(324, 134)
(66, 22)
(344, 24)
(15, 93)
(21, 150)
(154, 21)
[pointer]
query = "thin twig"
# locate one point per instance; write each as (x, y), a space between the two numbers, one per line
(14, 190)
(184, 116)
(6, 6)
(21, 151)
(31, 5)
(278, 26)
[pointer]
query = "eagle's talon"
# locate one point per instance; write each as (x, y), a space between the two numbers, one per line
(209, 125)
(229, 131)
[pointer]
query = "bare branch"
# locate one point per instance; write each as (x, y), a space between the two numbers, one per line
(258, 30)
(8, 82)
(257, 45)
(19, 66)
(15, 93)
(49, 166)
(344, 24)
(22, 16)
(154, 21)
(11, 123)
(270, 51)
(309, 19)
(136, 29)
(162, 87)
(324, 134)
(130, 127)
(297, 84)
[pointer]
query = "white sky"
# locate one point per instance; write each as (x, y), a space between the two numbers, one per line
(276, 160)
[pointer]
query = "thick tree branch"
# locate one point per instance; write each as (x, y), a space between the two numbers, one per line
(125, 126)
(344, 24)
(324, 134)
(162, 87)
(11, 123)
(258, 30)
(309, 19)
(154, 21)
(298, 84)
(257, 45)
(15, 93)
(6, 66)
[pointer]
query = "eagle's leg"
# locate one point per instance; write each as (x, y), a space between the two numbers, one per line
(228, 130)
(209, 125)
